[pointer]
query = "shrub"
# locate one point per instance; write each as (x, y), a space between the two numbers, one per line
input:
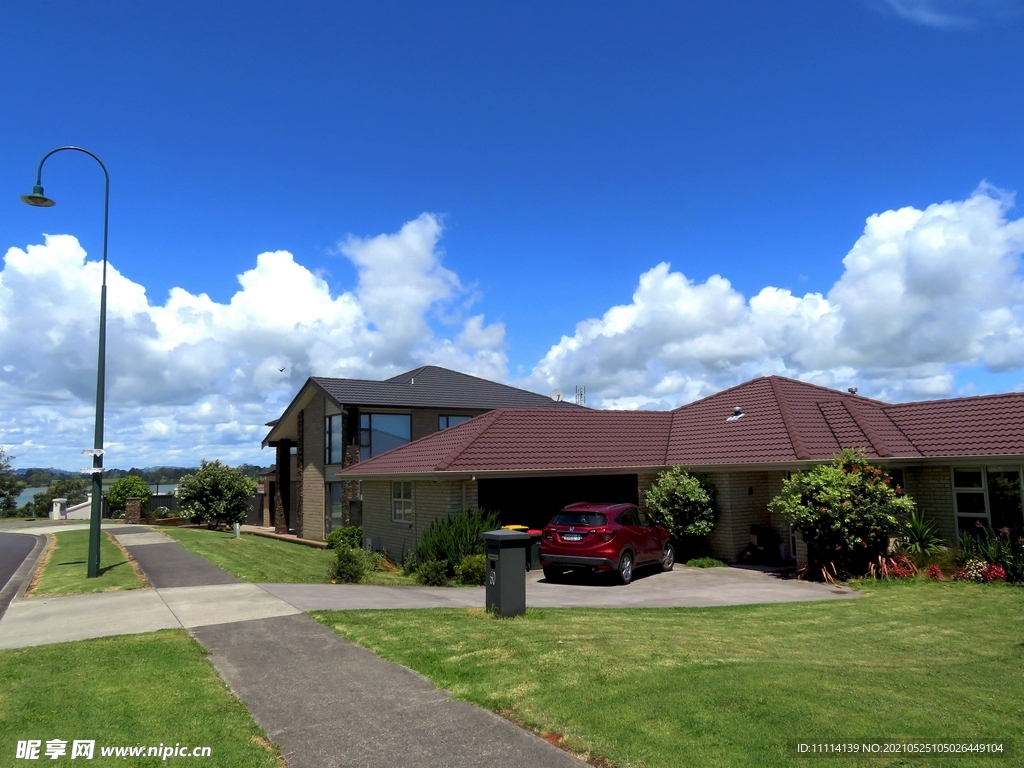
(453, 538)
(128, 487)
(993, 572)
(1005, 549)
(10, 485)
(706, 562)
(472, 569)
(410, 564)
(161, 513)
(349, 566)
(899, 567)
(216, 494)
(74, 489)
(433, 573)
(349, 536)
(918, 537)
(934, 572)
(684, 503)
(845, 511)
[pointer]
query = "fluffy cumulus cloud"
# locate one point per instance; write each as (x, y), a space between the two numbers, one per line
(921, 291)
(194, 377)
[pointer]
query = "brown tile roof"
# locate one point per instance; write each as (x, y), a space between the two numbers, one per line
(783, 421)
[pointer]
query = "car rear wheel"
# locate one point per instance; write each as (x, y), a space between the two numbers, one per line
(668, 557)
(626, 567)
(553, 574)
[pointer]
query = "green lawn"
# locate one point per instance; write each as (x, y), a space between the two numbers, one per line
(733, 686)
(258, 559)
(64, 573)
(126, 691)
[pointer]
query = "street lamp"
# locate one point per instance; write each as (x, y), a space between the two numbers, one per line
(39, 200)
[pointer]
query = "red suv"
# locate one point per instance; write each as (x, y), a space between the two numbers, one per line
(603, 537)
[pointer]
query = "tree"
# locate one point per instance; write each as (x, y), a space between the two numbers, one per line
(216, 494)
(10, 486)
(685, 504)
(74, 489)
(128, 487)
(845, 512)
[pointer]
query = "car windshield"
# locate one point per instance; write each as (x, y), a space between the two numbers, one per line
(580, 518)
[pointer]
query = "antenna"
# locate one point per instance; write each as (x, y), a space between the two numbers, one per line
(556, 395)
(581, 395)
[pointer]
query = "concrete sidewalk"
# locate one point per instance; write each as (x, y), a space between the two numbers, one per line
(329, 702)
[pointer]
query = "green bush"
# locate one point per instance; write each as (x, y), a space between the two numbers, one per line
(216, 494)
(453, 538)
(433, 573)
(472, 569)
(128, 487)
(74, 489)
(410, 564)
(161, 513)
(919, 538)
(349, 536)
(1005, 549)
(10, 486)
(349, 566)
(706, 562)
(845, 511)
(685, 504)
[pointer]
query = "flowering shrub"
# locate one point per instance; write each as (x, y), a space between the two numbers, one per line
(993, 572)
(845, 512)
(973, 570)
(934, 572)
(901, 567)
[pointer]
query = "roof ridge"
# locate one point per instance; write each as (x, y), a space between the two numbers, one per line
(953, 399)
(488, 418)
(787, 419)
(873, 437)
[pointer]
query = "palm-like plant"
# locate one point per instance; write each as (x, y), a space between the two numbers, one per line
(918, 536)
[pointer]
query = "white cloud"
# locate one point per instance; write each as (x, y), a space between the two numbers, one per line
(947, 13)
(193, 377)
(921, 291)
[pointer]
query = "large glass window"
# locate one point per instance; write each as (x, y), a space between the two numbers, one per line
(334, 445)
(379, 432)
(401, 502)
(443, 422)
(335, 506)
(989, 496)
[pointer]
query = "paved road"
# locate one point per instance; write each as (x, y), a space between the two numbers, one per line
(14, 548)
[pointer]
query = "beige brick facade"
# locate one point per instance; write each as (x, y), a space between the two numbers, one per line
(310, 518)
(431, 501)
(932, 489)
(743, 501)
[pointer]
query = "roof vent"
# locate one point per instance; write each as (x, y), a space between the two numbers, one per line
(852, 390)
(412, 381)
(737, 413)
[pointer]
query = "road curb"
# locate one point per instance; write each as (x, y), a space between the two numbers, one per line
(18, 583)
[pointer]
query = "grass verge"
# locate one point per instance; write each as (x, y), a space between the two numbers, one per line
(126, 691)
(63, 571)
(268, 561)
(733, 686)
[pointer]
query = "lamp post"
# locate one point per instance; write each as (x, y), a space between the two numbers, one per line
(38, 199)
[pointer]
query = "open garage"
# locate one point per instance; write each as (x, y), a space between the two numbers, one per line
(533, 501)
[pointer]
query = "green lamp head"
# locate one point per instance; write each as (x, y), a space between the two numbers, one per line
(37, 198)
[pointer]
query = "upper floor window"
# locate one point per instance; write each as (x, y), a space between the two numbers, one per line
(379, 432)
(443, 422)
(334, 444)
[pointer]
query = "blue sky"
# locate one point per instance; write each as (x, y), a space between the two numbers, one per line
(562, 151)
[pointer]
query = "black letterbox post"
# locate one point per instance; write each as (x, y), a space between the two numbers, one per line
(506, 572)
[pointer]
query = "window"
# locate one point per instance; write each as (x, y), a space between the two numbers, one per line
(989, 496)
(897, 479)
(1004, 502)
(334, 444)
(627, 518)
(969, 496)
(401, 502)
(335, 506)
(379, 432)
(443, 422)
(580, 518)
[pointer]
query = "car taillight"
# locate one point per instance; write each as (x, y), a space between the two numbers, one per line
(548, 535)
(606, 534)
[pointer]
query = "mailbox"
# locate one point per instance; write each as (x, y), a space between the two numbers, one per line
(506, 572)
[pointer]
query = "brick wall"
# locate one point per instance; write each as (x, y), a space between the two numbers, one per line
(932, 489)
(644, 481)
(431, 501)
(743, 501)
(310, 518)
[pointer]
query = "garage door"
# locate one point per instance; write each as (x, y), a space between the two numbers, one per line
(533, 501)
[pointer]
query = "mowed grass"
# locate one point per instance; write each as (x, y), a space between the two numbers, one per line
(126, 691)
(65, 571)
(735, 686)
(254, 558)
(268, 561)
